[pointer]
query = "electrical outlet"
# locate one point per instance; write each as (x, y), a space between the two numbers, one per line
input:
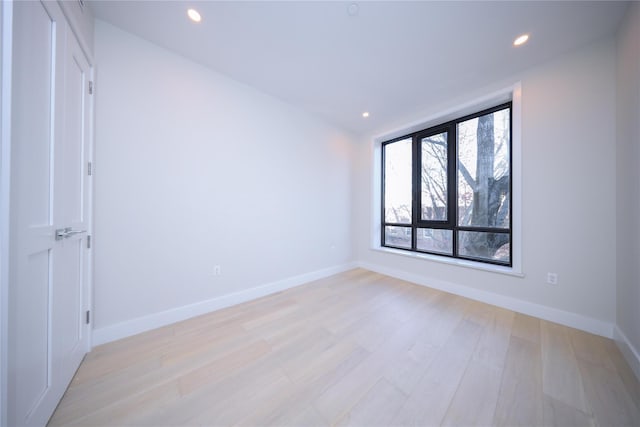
(552, 278)
(216, 270)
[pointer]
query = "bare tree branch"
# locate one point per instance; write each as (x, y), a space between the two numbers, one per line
(461, 167)
(467, 177)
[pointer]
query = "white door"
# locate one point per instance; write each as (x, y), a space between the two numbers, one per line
(50, 211)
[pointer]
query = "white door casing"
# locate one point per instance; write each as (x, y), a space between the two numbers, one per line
(50, 190)
(6, 17)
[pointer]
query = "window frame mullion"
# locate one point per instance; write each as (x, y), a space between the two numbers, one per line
(416, 202)
(382, 192)
(452, 185)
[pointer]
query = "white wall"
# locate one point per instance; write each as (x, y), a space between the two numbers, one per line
(628, 182)
(195, 170)
(568, 198)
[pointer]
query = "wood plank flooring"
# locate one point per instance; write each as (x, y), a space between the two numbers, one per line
(356, 349)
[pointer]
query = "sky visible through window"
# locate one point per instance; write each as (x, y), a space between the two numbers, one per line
(398, 189)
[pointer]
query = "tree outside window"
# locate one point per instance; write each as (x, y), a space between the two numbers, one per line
(447, 189)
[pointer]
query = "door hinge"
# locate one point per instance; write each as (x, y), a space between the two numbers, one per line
(88, 317)
(88, 242)
(90, 87)
(89, 169)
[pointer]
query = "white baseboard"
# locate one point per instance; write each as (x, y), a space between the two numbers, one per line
(630, 353)
(156, 320)
(562, 317)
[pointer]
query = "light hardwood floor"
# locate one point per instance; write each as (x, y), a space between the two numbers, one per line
(360, 349)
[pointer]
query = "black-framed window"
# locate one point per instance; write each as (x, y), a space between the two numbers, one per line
(446, 190)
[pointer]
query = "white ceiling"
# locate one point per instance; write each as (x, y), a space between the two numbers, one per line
(392, 59)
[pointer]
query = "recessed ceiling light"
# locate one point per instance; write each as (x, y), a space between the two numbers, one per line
(194, 15)
(365, 114)
(520, 40)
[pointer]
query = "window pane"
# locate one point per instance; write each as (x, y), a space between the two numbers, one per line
(489, 246)
(434, 177)
(435, 240)
(483, 170)
(397, 236)
(397, 182)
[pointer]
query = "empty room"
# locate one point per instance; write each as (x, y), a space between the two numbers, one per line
(320, 213)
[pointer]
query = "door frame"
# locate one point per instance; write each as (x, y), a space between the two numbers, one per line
(91, 189)
(6, 23)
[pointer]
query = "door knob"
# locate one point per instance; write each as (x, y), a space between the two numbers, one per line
(65, 233)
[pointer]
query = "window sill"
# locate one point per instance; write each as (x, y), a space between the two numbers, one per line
(509, 271)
